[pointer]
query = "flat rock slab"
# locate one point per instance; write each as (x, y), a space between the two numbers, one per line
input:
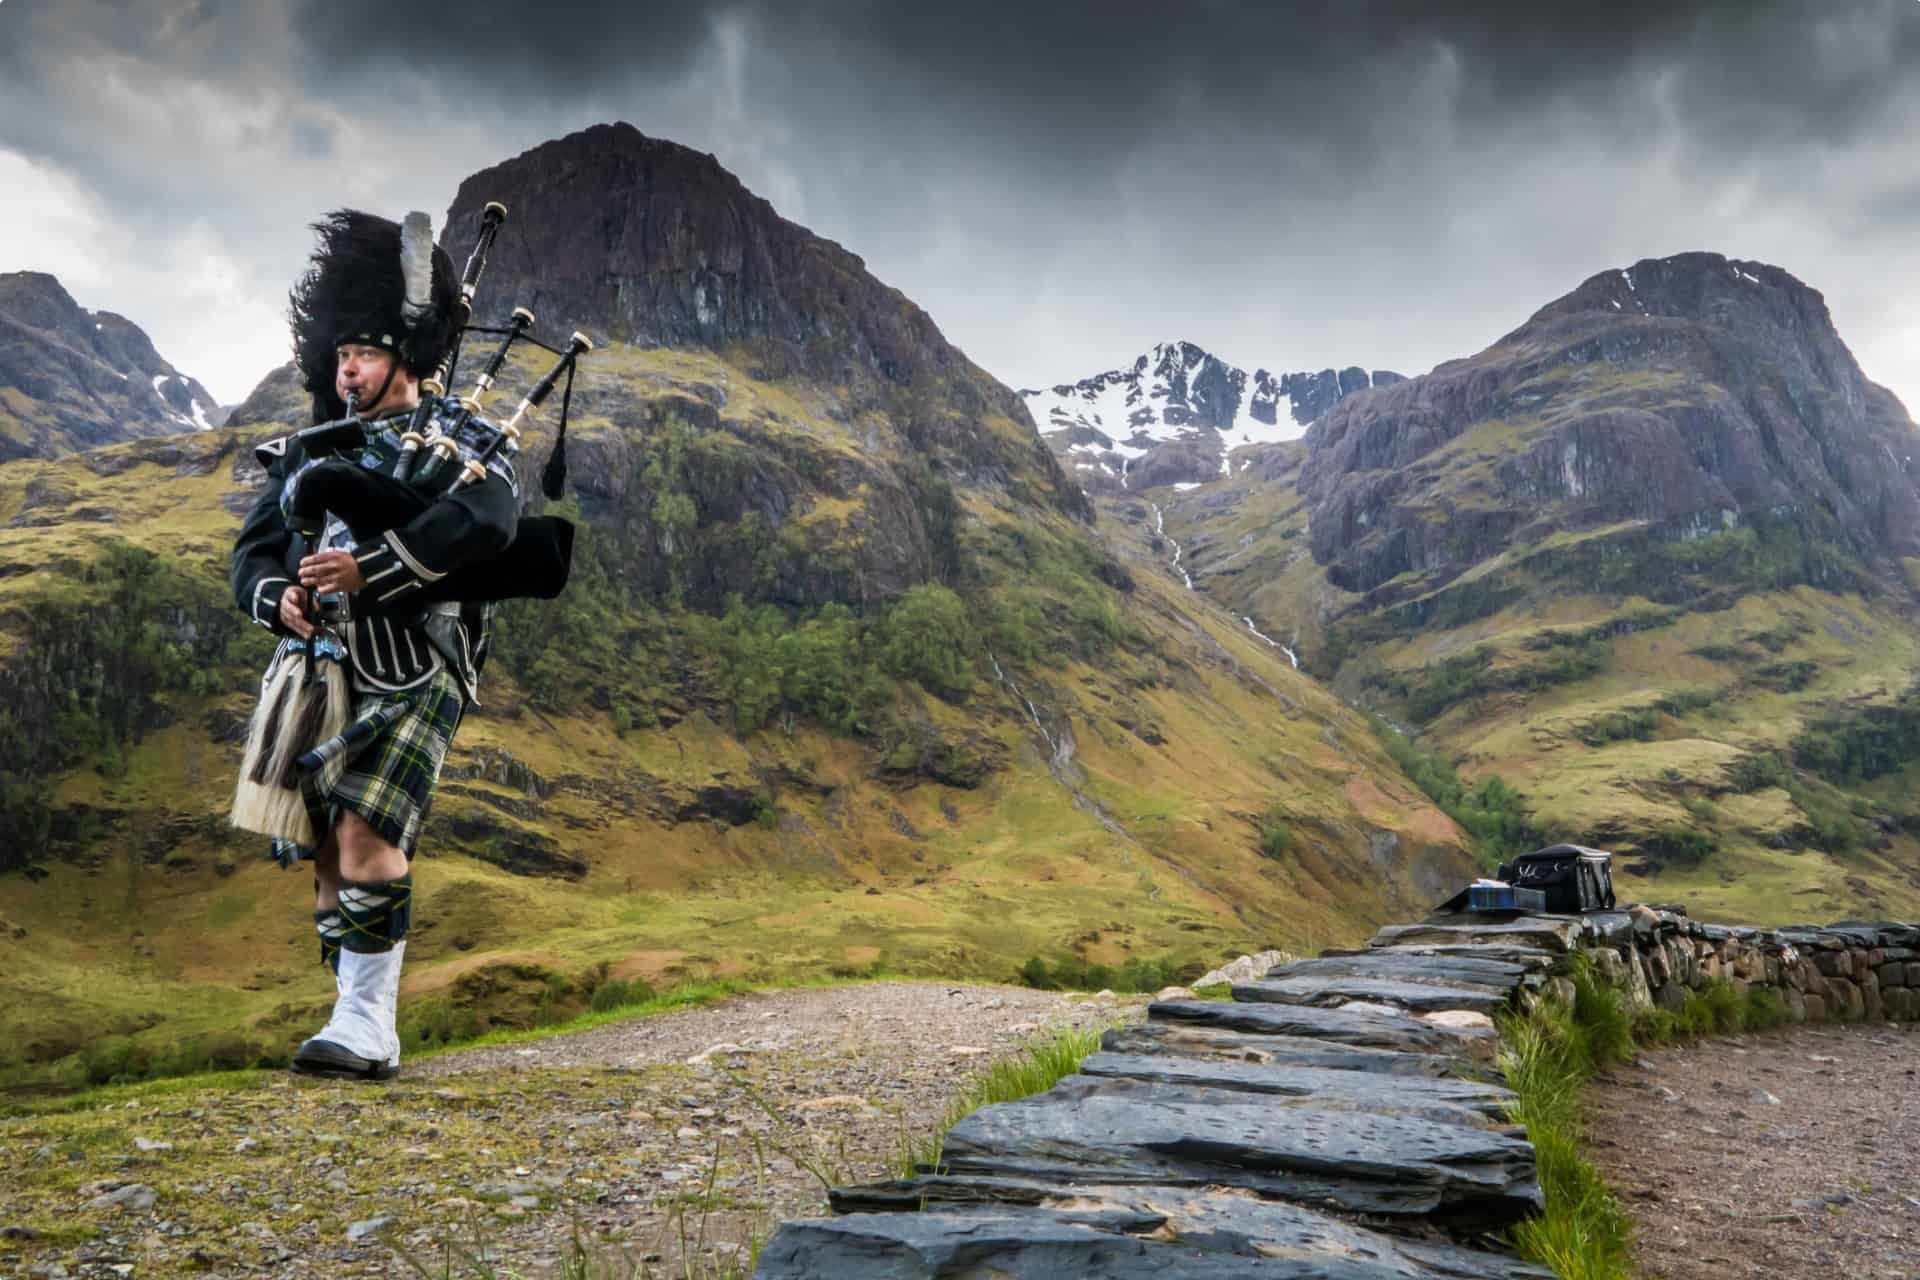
(1420, 997)
(1338, 1026)
(1553, 935)
(1385, 1093)
(1230, 1226)
(1295, 1051)
(1532, 959)
(1408, 965)
(1035, 1246)
(1134, 1132)
(1376, 1102)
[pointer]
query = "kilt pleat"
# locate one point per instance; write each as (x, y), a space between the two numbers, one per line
(387, 778)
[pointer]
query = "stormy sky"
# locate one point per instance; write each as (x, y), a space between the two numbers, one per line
(1293, 185)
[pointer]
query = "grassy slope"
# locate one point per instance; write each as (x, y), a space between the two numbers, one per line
(1772, 663)
(1128, 848)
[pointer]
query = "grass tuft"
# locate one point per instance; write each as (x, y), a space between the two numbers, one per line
(1548, 1053)
(1035, 1069)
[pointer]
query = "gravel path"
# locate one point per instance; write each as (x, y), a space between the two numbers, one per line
(935, 1029)
(671, 1141)
(1790, 1156)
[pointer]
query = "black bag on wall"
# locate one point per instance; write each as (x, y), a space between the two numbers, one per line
(1573, 877)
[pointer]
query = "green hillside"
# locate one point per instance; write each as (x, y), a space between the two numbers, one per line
(1041, 748)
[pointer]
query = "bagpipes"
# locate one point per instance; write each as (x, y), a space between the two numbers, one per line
(302, 721)
(537, 562)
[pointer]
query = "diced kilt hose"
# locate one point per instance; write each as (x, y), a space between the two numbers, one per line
(387, 779)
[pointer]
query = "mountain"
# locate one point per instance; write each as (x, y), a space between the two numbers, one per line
(1651, 558)
(847, 679)
(74, 379)
(1177, 412)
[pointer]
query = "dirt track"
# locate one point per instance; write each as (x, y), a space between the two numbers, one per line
(1791, 1156)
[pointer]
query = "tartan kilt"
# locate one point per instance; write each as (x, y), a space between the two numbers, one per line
(389, 779)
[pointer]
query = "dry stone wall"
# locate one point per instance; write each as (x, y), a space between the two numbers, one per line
(1848, 972)
(1342, 1118)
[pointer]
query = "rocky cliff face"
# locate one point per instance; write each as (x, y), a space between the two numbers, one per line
(644, 242)
(71, 379)
(1177, 412)
(1690, 394)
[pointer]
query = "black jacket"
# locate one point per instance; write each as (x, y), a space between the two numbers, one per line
(390, 645)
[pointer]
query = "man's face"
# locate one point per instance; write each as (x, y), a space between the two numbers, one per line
(361, 371)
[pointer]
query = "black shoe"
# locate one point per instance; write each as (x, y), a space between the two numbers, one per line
(325, 1058)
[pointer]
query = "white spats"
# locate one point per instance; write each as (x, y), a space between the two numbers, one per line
(367, 1003)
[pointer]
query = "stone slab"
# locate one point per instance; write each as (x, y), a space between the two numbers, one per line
(1297, 1051)
(1230, 1225)
(1126, 1131)
(1534, 960)
(1611, 927)
(1384, 1093)
(1339, 1026)
(1373, 1102)
(1407, 964)
(1554, 935)
(1419, 997)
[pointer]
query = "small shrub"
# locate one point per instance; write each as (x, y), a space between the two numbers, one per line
(1681, 701)
(1275, 837)
(619, 993)
(1764, 1010)
(1677, 845)
(1637, 723)
(1725, 1011)
(1758, 771)
(1786, 677)
(1656, 1026)
(1072, 973)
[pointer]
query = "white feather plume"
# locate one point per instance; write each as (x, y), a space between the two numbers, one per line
(416, 266)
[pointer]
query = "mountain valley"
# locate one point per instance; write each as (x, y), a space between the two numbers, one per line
(849, 680)
(1648, 560)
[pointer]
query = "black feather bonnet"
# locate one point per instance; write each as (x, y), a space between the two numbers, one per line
(367, 282)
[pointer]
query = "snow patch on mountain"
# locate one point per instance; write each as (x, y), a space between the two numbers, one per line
(1181, 394)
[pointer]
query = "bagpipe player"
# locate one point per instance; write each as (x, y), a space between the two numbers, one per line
(373, 672)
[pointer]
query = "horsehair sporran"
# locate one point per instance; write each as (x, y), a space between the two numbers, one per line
(267, 799)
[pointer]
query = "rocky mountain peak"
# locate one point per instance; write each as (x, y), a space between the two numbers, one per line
(77, 378)
(1177, 411)
(1685, 395)
(643, 241)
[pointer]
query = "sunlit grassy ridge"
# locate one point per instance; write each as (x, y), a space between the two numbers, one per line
(1076, 764)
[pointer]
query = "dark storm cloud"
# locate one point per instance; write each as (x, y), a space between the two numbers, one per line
(501, 50)
(1093, 76)
(1386, 182)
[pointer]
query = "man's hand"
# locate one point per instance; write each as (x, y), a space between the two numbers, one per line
(330, 571)
(293, 612)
